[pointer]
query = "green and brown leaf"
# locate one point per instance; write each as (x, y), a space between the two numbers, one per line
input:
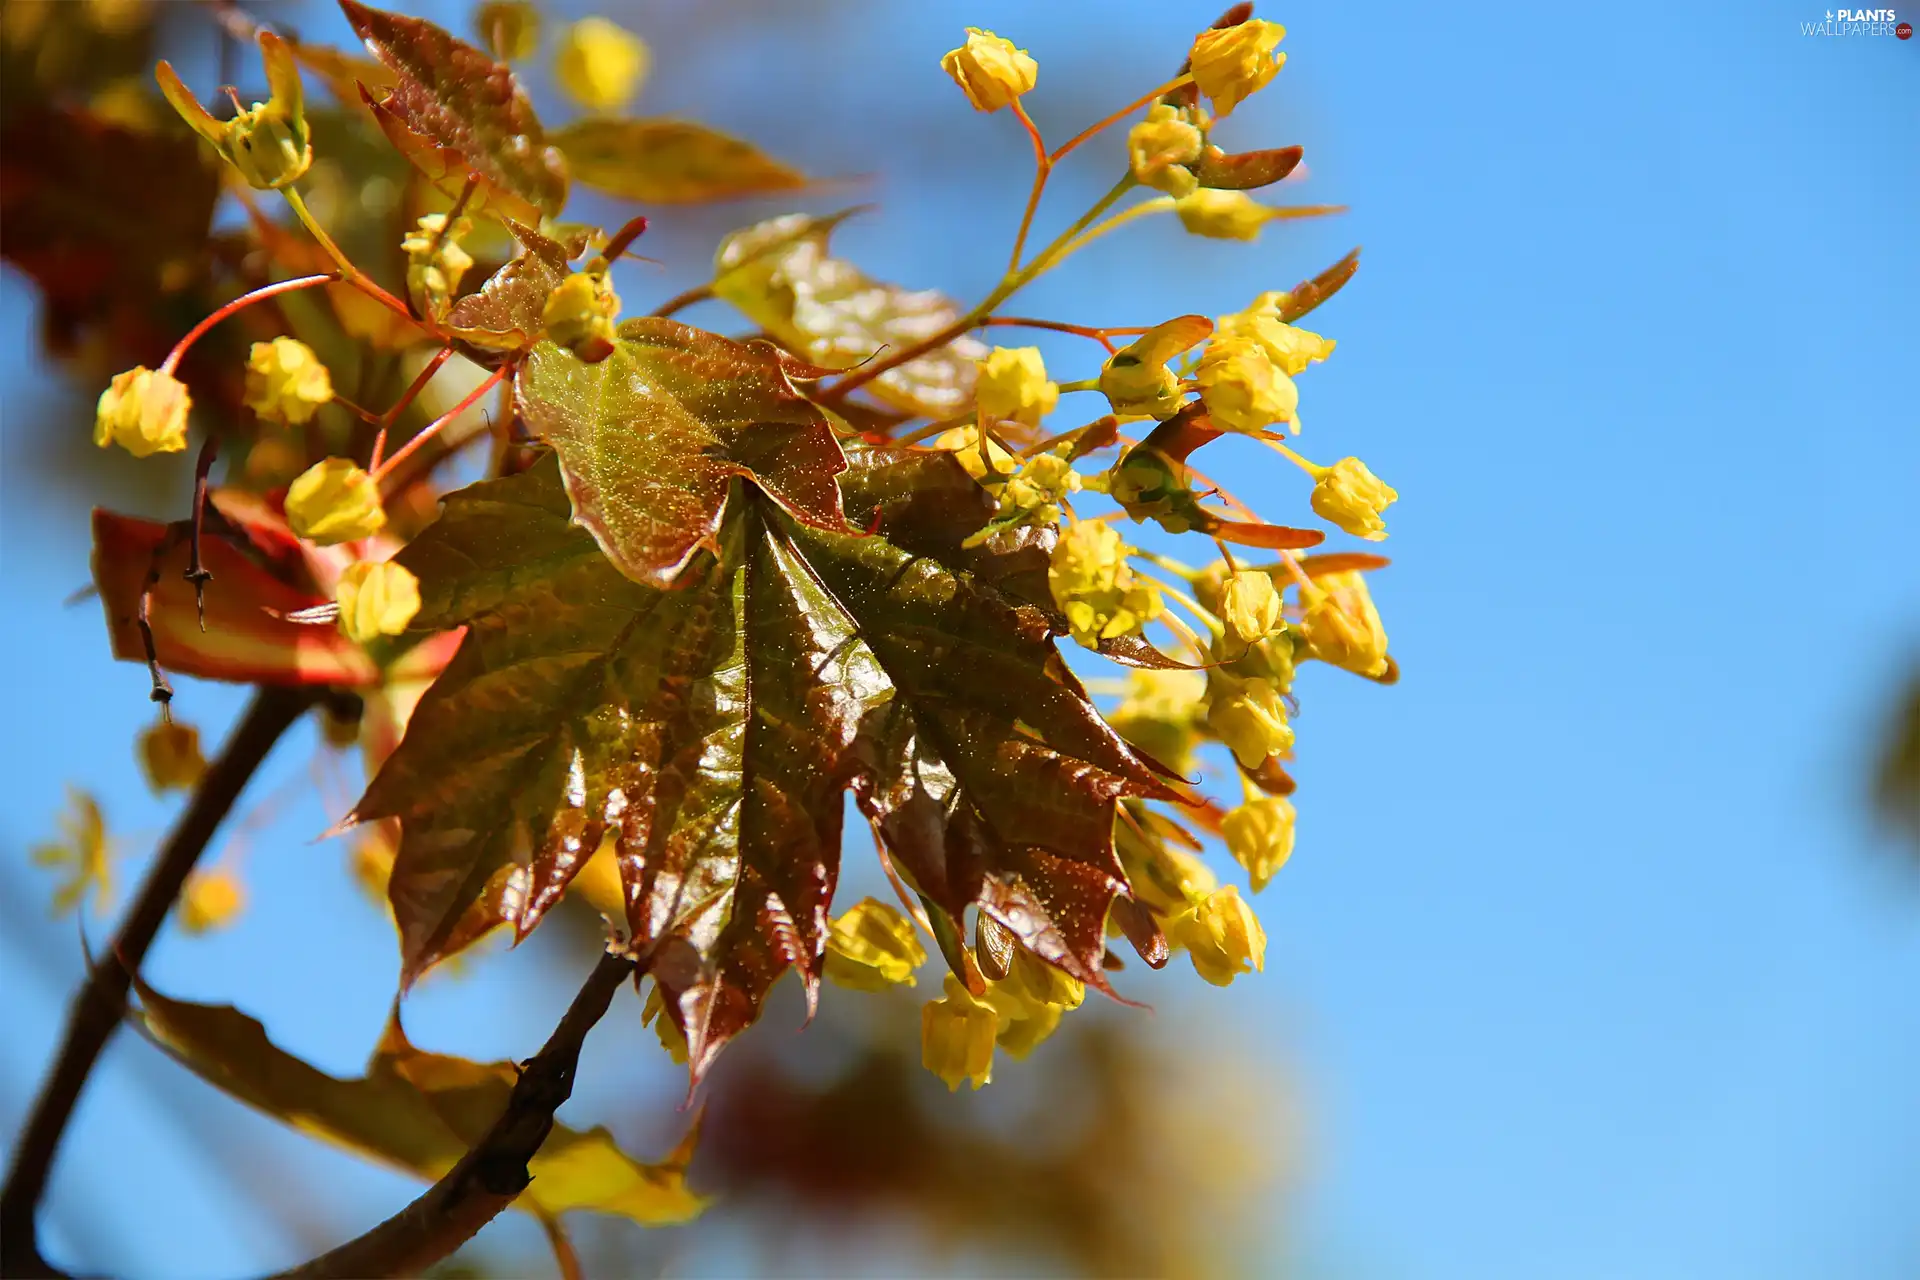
(670, 161)
(415, 1111)
(706, 708)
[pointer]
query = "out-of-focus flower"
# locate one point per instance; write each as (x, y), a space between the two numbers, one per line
(436, 262)
(1231, 64)
(600, 64)
(333, 502)
(1161, 714)
(1259, 835)
(872, 946)
(964, 444)
(286, 381)
(1013, 385)
(956, 1037)
(211, 900)
(1250, 716)
(377, 598)
(1341, 625)
(144, 411)
(1223, 215)
(1222, 935)
(83, 850)
(510, 28)
(990, 70)
(170, 755)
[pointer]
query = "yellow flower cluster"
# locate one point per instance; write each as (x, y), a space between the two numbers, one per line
(286, 381)
(436, 262)
(1246, 373)
(580, 314)
(1095, 587)
(1160, 147)
(959, 1032)
(211, 900)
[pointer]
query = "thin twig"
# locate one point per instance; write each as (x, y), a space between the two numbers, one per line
(681, 301)
(96, 1010)
(494, 1173)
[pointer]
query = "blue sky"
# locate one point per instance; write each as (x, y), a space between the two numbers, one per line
(1590, 961)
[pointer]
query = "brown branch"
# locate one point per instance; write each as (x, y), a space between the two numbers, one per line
(96, 1010)
(494, 1173)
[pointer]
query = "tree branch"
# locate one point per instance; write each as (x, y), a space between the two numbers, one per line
(494, 1173)
(96, 1010)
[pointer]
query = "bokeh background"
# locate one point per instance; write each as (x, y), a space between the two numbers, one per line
(1592, 961)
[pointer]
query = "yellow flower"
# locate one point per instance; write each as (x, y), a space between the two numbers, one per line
(672, 1038)
(956, 1037)
(1160, 148)
(1250, 606)
(1222, 935)
(435, 263)
(1352, 497)
(170, 755)
(1342, 626)
(510, 28)
(210, 900)
(600, 65)
(1250, 716)
(1223, 215)
(872, 947)
(377, 598)
(333, 502)
(1231, 64)
(1136, 380)
(1032, 495)
(1095, 587)
(268, 143)
(286, 381)
(1013, 385)
(580, 314)
(1242, 387)
(1259, 835)
(1164, 877)
(1161, 715)
(144, 411)
(964, 444)
(85, 849)
(990, 70)
(1030, 1000)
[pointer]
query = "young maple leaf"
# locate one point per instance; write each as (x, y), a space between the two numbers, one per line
(680, 638)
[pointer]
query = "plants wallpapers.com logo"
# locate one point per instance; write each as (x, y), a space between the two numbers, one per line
(1859, 22)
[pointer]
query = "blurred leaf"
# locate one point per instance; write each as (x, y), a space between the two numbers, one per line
(827, 310)
(670, 161)
(1897, 785)
(456, 112)
(711, 728)
(415, 1111)
(1308, 294)
(247, 638)
(111, 224)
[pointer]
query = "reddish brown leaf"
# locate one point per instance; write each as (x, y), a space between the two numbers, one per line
(505, 314)
(1247, 171)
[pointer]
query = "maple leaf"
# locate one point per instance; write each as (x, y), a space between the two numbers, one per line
(670, 161)
(701, 671)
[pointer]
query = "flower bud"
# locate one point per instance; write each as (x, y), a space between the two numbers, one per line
(1250, 606)
(436, 262)
(600, 65)
(377, 598)
(334, 501)
(1241, 386)
(210, 900)
(1222, 935)
(1230, 64)
(144, 411)
(1342, 626)
(872, 947)
(579, 315)
(1094, 586)
(1259, 835)
(1223, 215)
(1352, 497)
(269, 142)
(1013, 386)
(170, 756)
(1249, 716)
(1136, 380)
(1160, 148)
(286, 381)
(990, 70)
(956, 1037)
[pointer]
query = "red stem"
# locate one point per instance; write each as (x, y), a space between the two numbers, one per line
(434, 428)
(240, 303)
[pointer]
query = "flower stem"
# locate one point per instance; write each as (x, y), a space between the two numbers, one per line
(1165, 89)
(407, 397)
(241, 303)
(434, 428)
(349, 274)
(96, 1010)
(1042, 170)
